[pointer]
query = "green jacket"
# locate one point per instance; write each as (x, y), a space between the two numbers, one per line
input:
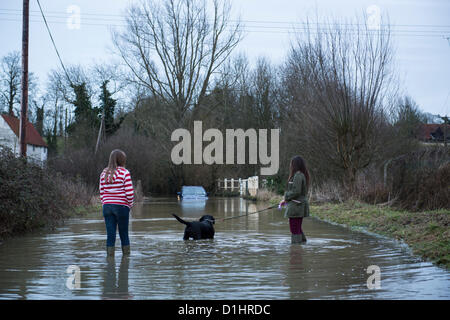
(297, 190)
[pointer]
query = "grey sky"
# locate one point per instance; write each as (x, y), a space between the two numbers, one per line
(422, 53)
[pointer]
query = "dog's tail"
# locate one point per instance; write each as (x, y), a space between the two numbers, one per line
(179, 219)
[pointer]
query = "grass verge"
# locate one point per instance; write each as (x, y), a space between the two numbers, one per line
(81, 211)
(427, 233)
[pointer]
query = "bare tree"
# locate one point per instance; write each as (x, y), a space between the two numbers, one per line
(173, 49)
(10, 77)
(38, 106)
(265, 92)
(10, 84)
(343, 78)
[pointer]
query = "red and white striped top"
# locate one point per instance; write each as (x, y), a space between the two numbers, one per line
(119, 190)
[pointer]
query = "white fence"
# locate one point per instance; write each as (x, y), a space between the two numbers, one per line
(247, 186)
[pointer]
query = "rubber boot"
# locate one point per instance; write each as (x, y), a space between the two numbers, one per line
(303, 237)
(110, 251)
(296, 238)
(126, 250)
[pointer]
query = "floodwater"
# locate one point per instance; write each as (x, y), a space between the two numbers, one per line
(250, 258)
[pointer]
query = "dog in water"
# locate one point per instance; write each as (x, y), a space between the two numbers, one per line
(202, 229)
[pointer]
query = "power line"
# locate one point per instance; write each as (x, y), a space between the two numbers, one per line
(53, 41)
(285, 30)
(121, 17)
(293, 27)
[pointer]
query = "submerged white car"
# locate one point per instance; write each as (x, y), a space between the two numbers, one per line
(193, 192)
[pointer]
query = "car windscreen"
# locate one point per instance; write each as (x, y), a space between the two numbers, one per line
(193, 191)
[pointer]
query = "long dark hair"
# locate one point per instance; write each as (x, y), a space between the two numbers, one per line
(298, 164)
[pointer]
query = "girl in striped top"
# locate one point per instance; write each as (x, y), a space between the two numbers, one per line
(117, 196)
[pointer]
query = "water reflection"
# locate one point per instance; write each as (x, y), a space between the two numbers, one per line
(116, 286)
(192, 207)
(296, 272)
(251, 257)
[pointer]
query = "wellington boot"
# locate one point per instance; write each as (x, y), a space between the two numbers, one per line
(110, 251)
(296, 238)
(303, 237)
(126, 250)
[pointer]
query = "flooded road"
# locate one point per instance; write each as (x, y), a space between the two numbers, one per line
(250, 258)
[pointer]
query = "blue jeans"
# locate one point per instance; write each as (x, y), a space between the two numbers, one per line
(116, 215)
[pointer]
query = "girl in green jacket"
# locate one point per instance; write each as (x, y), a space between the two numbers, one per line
(296, 198)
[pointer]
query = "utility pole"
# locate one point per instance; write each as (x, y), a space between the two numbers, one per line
(24, 99)
(100, 131)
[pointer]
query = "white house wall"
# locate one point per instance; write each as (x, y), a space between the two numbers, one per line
(9, 139)
(37, 153)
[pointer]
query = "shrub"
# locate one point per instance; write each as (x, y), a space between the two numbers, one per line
(431, 191)
(29, 197)
(376, 193)
(276, 184)
(421, 180)
(330, 191)
(76, 191)
(267, 195)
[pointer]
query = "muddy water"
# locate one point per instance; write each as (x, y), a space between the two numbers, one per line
(250, 258)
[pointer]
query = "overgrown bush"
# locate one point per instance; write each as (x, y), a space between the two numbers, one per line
(267, 195)
(421, 180)
(29, 197)
(370, 186)
(276, 184)
(415, 181)
(330, 191)
(375, 194)
(76, 191)
(142, 162)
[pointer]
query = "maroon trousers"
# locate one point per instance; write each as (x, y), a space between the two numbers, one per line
(295, 224)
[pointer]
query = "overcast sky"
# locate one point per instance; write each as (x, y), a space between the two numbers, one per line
(420, 28)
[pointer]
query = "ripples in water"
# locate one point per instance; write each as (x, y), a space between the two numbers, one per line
(250, 258)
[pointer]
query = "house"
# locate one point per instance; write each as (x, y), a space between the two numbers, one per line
(433, 132)
(9, 137)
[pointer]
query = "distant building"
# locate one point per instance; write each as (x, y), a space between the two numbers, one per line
(433, 132)
(9, 137)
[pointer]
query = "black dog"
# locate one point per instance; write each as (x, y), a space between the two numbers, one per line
(202, 229)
